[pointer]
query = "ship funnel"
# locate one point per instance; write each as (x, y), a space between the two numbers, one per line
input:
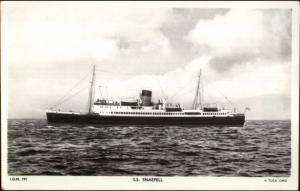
(146, 96)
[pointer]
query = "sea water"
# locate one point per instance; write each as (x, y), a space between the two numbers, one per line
(259, 148)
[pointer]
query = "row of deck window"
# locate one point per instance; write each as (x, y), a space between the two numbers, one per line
(155, 113)
(147, 113)
(215, 113)
(118, 107)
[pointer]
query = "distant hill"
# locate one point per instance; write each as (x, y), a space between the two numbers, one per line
(267, 107)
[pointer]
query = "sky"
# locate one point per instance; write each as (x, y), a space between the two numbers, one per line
(243, 53)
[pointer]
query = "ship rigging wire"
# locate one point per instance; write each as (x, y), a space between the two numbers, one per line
(161, 89)
(182, 88)
(65, 98)
(70, 90)
(185, 87)
(227, 99)
(71, 96)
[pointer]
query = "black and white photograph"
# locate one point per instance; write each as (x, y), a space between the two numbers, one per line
(149, 95)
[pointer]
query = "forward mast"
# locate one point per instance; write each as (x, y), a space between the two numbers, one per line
(92, 90)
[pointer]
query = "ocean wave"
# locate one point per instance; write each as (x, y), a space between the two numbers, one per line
(260, 148)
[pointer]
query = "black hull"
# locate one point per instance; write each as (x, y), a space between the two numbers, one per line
(237, 120)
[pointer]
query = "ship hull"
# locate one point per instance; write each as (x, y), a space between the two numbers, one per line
(237, 120)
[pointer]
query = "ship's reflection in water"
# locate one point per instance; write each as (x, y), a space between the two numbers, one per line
(260, 148)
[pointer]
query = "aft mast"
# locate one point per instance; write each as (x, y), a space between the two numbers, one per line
(197, 99)
(92, 89)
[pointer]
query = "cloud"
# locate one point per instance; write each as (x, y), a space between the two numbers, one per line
(179, 85)
(64, 32)
(242, 53)
(243, 35)
(224, 63)
(251, 79)
(249, 53)
(144, 43)
(234, 30)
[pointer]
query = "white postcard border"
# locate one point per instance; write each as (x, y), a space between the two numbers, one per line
(169, 183)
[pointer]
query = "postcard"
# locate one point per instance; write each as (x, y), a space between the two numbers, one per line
(149, 95)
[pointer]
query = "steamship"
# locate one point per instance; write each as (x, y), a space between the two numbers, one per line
(144, 111)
